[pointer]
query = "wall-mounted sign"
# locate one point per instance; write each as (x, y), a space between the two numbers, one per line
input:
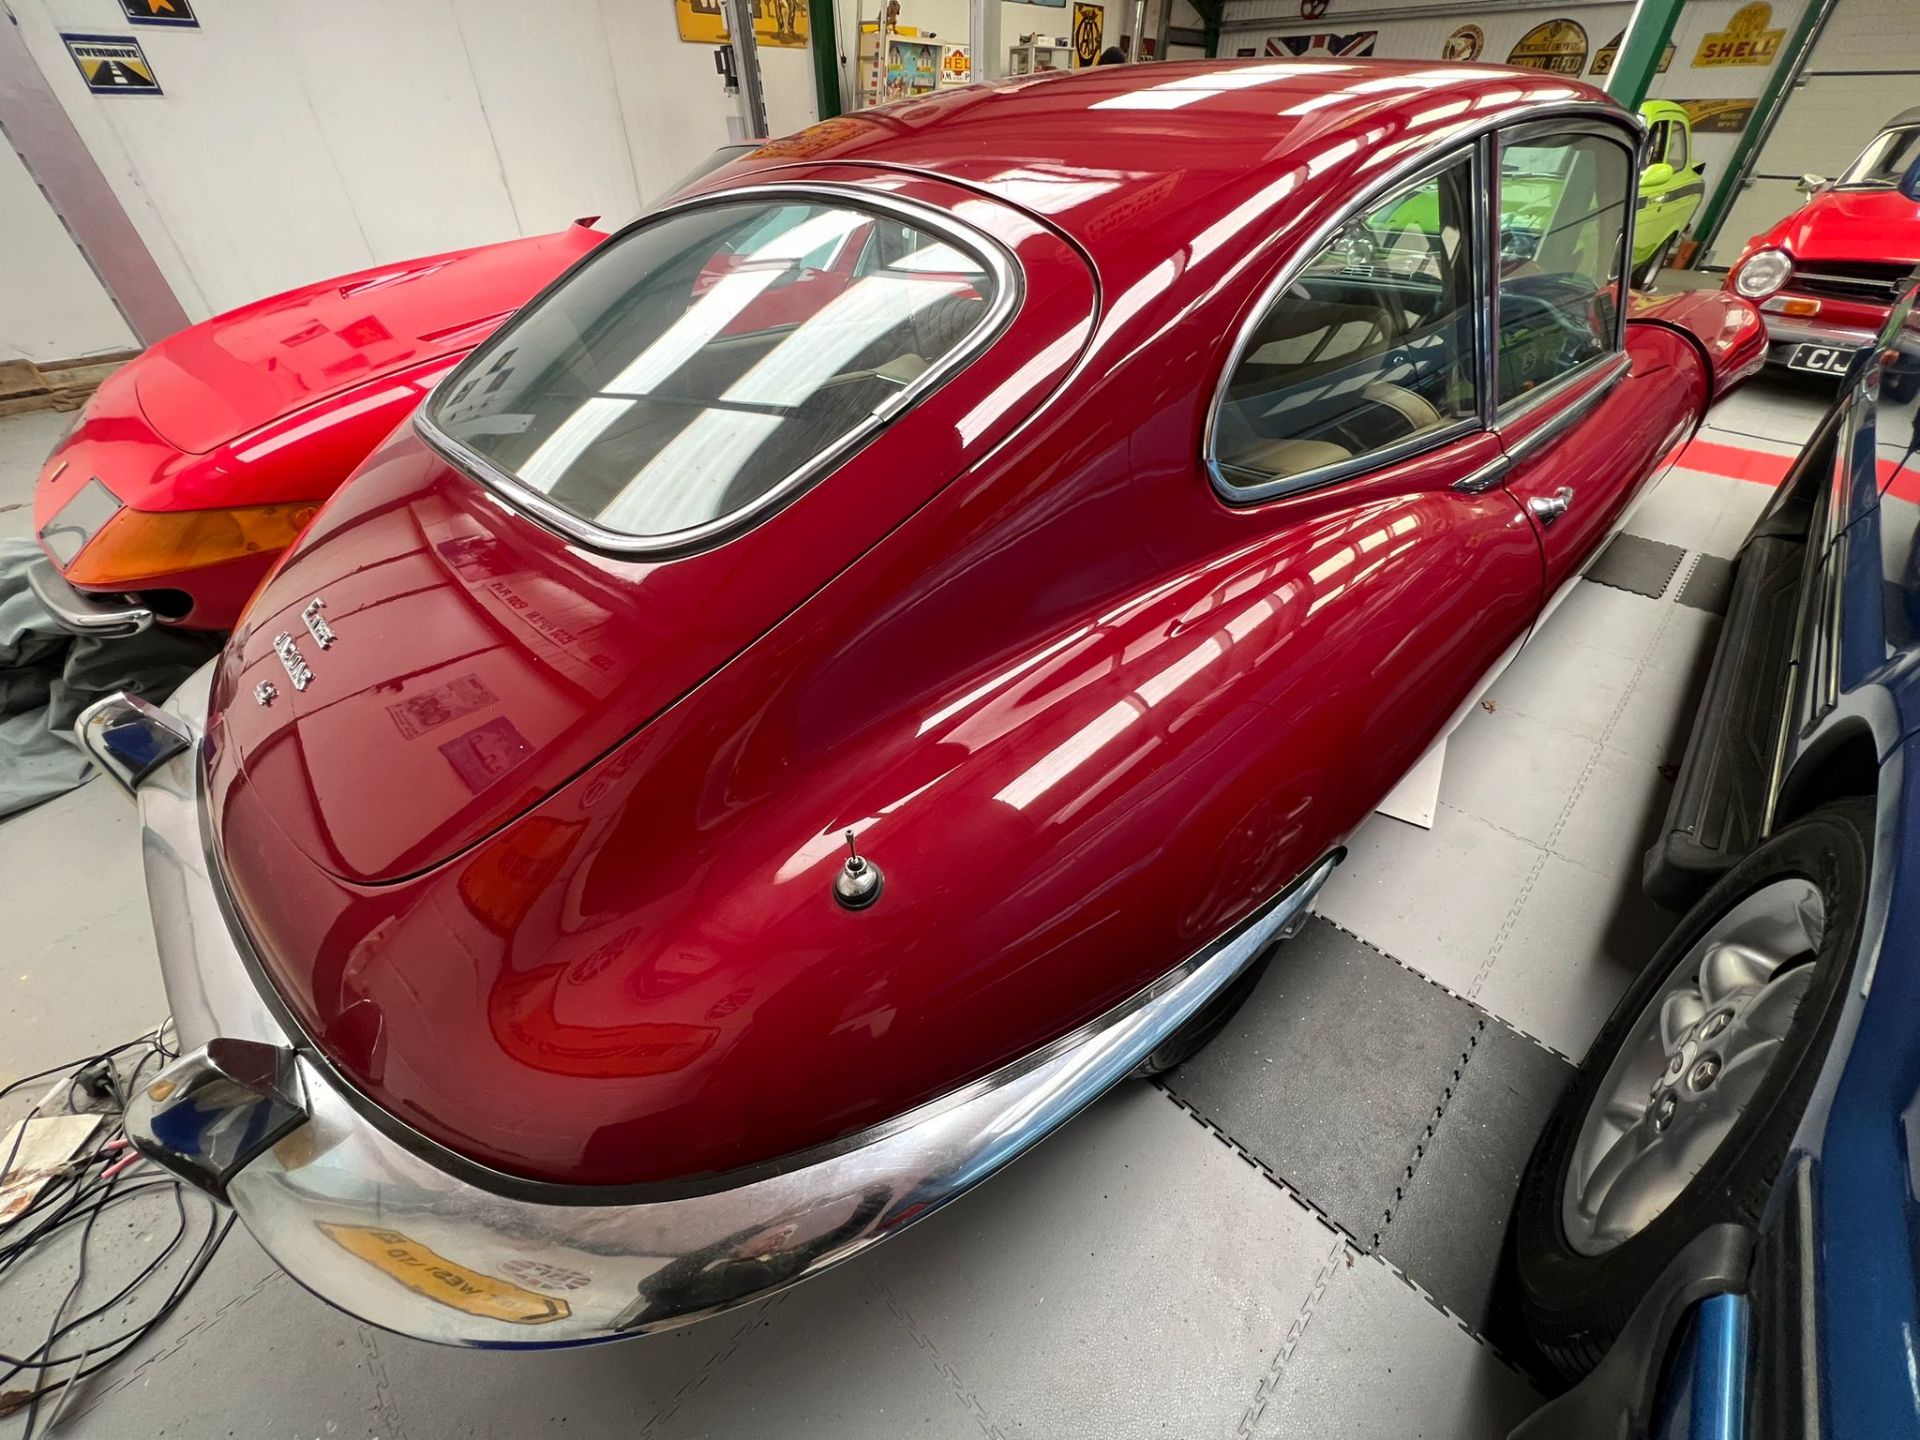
(1603, 58)
(159, 12)
(956, 65)
(913, 68)
(1747, 40)
(1718, 117)
(1089, 28)
(1556, 45)
(1245, 52)
(779, 23)
(1464, 44)
(112, 64)
(1323, 47)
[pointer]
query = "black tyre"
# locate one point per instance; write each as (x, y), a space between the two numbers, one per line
(1207, 1022)
(1703, 1070)
(1648, 275)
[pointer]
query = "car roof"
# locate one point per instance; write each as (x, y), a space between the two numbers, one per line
(1905, 117)
(1123, 157)
(1654, 110)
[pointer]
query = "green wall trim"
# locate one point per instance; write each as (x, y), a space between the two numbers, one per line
(826, 58)
(1648, 32)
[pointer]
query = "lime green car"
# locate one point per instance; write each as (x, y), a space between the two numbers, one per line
(1671, 189)
(1670, 192)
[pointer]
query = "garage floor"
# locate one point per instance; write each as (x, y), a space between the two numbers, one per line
(1297, 1234)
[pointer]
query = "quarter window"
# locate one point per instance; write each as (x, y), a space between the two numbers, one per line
(1563, 223)
(697, 366)
(1369, 350)
(1677, 155)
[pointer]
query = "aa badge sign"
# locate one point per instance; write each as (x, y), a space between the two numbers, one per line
(112, 64)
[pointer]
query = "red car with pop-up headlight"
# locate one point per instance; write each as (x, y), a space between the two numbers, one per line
(769, 743)
(1827, 276)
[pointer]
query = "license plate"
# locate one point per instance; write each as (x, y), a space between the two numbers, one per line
(1821, 359)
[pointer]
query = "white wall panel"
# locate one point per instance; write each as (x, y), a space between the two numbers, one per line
(52, 306)
(298, 140)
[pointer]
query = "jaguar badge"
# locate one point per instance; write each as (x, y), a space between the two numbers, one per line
(298, 671)
(264, 693)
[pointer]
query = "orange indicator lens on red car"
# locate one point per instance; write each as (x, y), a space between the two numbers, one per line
(139, 545)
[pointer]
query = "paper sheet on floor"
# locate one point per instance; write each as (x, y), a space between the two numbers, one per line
(1417, 796)
(47, 677)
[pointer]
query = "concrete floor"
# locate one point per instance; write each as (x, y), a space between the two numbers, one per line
(1161, 1268)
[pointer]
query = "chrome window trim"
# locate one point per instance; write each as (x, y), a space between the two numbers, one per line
(1269, 486)
(1521, 134)
(1009, 293)
(1599, 372)
(1475, 139)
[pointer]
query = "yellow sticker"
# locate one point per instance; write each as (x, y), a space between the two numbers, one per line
(426, 1273)
(1747, 40)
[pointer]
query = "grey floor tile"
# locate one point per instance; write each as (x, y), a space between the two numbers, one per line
(1621, 805)
(1577, 943)
(1450, 1229)
(1513, 771)
(1708, 584)
(1616, 621)
(1637, 564)
(1575, 687)
(836, 1357)
(1772, 407)
(1433, 898)
(80, 970)
(1331, 1072)
(1133, 1277)
(1377, 1362)
(1682, 509)
(1657, 717)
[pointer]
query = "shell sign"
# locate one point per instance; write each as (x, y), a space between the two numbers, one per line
(1747, 40)
(1558, 45)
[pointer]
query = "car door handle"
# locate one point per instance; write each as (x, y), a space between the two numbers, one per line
(1549, 508)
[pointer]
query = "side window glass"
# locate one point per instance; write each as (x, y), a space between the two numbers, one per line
(1369, 348)
(1657, 141)
(1563, 217)
(1677, 155)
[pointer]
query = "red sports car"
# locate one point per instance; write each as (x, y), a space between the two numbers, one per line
(1827, 276)
(714, 789)
(195, 465)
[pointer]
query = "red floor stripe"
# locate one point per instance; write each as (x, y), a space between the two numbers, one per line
(1735, 462)
(1763, 467)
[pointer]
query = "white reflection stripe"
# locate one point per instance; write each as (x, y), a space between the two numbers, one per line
(696, 467)
(815, 352)
(1062, 761)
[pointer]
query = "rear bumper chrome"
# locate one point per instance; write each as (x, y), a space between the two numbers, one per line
(387, 1235)
(82, 613)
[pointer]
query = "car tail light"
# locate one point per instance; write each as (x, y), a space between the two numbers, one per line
(139, 545)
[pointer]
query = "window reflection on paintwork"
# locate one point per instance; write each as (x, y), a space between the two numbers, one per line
(1370, 347)
(695, 364)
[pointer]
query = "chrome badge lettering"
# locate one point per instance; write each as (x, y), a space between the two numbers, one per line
(298, 671)
(316, 623)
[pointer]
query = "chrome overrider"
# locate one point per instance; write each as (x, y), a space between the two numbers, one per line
(382, 1232)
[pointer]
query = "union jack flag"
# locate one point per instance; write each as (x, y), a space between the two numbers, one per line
(1322, 47)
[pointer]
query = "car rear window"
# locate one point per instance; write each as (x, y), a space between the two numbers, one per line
(700, 366)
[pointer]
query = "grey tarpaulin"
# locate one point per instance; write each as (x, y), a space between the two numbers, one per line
(47, 677)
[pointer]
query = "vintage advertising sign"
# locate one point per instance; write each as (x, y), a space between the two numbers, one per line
(1556, 45)
(159, 12)
(1466, 43)
(1323, 47)
(956, 65)
(1747, 40)
(1718, 117)
(1089, 25)
(112, 64)
(1604, 57)
(779, 23)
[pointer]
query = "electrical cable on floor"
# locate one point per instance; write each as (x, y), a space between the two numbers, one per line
(87, 1186)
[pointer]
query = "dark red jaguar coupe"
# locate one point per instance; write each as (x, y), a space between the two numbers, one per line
(737, 771)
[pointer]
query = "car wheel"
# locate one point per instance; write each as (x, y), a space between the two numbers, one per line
(1681, 1115)
(1649, 274)
(1208, 1021)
